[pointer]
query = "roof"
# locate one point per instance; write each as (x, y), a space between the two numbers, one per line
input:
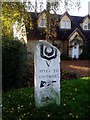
(62, 34)
(87, 16)
(80, 33)
(66, 13)
(86, 34)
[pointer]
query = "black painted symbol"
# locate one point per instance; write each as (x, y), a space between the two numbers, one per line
(42, 83)
(48, 53)
(48, 63)
(48, 98)
(53, 81)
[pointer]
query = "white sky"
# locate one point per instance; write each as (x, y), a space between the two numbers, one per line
(84, 8)
(82, 12)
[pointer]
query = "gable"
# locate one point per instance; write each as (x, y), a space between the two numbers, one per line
(86, 23)
(76, 33)
(87, 19)
(65, 17)
(65, 22)
(41, 17)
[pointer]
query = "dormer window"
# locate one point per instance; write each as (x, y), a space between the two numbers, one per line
(85, 26)
(86, 23)
(65, 24)
(42, 23)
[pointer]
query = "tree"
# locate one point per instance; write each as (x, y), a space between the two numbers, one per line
(54, 6)
(15, 11)
(12, 12)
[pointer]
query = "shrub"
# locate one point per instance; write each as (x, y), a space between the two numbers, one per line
(13, 63)
(85, 55)
(67, 75)
(65, 57)
(29, 76)
(86, 51)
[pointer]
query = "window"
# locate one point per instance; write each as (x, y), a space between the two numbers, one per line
(89, 26)
(86, 26)
(42, 23)
(65, 24)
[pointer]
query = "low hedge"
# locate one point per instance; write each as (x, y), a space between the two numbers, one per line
(13, 63)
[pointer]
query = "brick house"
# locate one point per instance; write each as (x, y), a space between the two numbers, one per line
(72, 33)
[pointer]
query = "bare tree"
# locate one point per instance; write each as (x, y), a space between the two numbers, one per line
(54, 6)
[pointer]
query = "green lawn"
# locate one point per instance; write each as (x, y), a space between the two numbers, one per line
(75, 103)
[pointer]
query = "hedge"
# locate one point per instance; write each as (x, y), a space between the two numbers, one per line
(13, 63)
(65, 57)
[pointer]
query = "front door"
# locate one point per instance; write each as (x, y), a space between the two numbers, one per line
(75, 52)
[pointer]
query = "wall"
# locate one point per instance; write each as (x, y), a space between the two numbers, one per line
(73, 36)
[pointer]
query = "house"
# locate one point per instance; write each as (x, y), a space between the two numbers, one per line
(72, 33)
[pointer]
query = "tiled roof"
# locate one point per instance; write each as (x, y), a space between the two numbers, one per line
(86, 34)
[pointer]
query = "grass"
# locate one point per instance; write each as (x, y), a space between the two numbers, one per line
(75, 103)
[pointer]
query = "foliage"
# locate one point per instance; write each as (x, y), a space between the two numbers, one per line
(86, 51)
(68, 5)
(65, 57)
(15, 11)
(29, 75)
(13, 56)
(12, 12)
(67, 75)
(20, 104)
(54, 6)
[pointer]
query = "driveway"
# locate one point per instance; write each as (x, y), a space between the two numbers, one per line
(80, 67)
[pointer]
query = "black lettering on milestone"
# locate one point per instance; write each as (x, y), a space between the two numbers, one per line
(53, 81)
(48, 63)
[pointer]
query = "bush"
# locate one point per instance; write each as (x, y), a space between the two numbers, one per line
(86, 51)
(65, 57)
(85, 56)
(13, 57)
(67, 75)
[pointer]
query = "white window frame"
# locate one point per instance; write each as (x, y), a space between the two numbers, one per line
(68, 24)
(65, 24)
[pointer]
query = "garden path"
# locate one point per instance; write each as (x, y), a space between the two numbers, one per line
(80, 67)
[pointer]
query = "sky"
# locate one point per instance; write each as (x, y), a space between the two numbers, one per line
(84, 8)
(82, 11)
